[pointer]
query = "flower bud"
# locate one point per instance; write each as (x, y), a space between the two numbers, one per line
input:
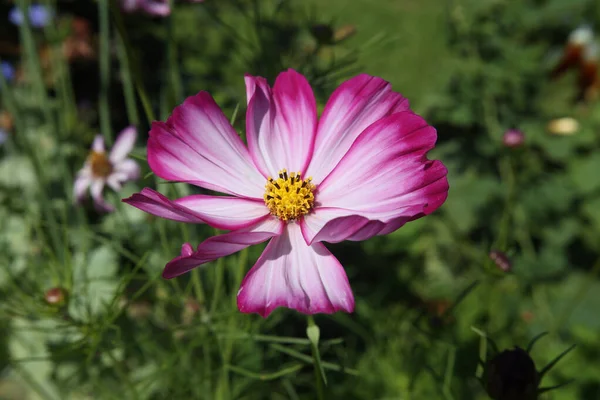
(513, 138)
(501, 260)
(323, 33)
(55, 296)
(511, 375)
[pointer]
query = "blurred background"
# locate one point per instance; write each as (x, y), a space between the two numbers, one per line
(512, 88)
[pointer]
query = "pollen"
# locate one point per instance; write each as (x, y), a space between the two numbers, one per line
(289, 196)
(100, 164)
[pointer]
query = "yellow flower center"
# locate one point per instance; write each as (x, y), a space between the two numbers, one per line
(100, 164)
(289, 197)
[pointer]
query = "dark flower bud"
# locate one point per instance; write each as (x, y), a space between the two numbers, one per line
(513, 138)
(55, 296)
(322, 33)
(511, 375)
(501, 260)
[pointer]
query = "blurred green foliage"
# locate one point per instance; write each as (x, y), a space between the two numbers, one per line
(473, 68)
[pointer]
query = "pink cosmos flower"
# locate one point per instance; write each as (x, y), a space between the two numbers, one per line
(101, 169)
(358, 171)
(158, 8)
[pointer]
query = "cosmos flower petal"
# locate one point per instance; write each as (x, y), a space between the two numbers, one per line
(281, 123)
(225, 212)
(127, 169)
(154, 203)
(221, 212)
(291, 274)
(353, 106)
(96, 188)
(325, 225)
(223, 245)
(123, 145)
(98, 144)
(160, 8)
(330, 225)
(384, 177)
(114, 182)
(198, 145)
(82, 183)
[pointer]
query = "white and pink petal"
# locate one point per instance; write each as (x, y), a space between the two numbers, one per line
(98, 144)
(96, 189)
(353, 107)
(281, 123)
(198, 145)
(221, 212)
(123, 145)
(82, 183)
(225, 212)
(223, 245)
(154, 203)
(291, 274)
(384, 177)
(127, 170)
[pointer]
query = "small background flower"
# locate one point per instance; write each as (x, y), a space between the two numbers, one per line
(3, 136)
(102, 168)
(159, 8)
(513, 138)
(7, 70)
(39, 15)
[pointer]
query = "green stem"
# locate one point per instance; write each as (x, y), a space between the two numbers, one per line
(62, 78)
(104, 64)
(231, 327)
(136, 71)
(35, 72)
(197, 285)
(317, 361)
(218, 287)
(174, 73)
(122, 373)
(128, 86)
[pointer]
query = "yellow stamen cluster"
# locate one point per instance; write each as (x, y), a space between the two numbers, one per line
(289, 196)
(100, 164)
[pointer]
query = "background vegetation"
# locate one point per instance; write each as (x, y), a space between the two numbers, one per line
(473, 68)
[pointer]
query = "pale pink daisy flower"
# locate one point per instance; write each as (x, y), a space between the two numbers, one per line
(111, 169)
(358, 171)
(157, 8)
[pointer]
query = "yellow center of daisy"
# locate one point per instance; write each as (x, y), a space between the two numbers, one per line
(289, 196)
(100, 164)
